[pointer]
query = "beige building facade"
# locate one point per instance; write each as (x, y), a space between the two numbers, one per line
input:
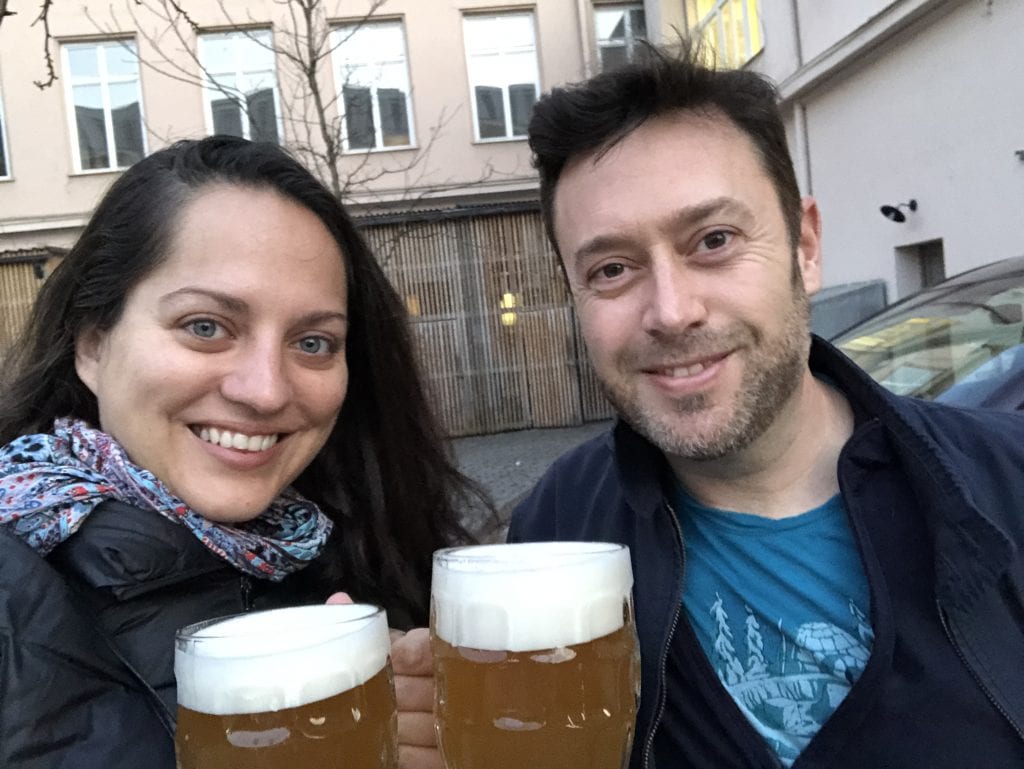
(428, 99)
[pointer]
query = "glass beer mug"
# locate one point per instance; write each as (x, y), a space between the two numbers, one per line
(535, 655)
(304, 686)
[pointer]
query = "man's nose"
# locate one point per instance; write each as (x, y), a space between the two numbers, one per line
(676, 300)
(258, 378)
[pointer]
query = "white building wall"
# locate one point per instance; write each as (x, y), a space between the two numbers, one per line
(888, 101)
(936, 116)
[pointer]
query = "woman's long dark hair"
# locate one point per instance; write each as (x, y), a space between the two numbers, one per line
(384, 476)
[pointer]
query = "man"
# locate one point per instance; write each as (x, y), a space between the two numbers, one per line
(826, 575)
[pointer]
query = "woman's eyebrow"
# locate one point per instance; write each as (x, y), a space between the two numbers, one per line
(228, 302)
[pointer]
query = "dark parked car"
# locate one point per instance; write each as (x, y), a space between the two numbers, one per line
(960, 342)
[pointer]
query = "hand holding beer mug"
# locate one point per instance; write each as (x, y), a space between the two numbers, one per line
(535, 655)
(308, 686)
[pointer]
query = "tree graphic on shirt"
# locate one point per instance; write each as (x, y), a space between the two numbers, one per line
(732, 671)
(757, 667)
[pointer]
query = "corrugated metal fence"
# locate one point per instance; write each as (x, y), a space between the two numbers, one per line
(490, 312)
(19, 282)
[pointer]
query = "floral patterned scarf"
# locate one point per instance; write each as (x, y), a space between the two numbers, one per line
(50, 482)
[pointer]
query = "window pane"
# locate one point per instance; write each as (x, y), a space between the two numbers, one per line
(227, 117)
(521, 99)
(92, 137)
(490, 112)
(394, 121)
(611, 24)
(127, 117)
(262, 116)
(3, 153)
(638, 22)
(128, 134)
(83, 62)
(121, 60)
(613, 57)
(92, 132)
(217, 54)
(358, 117)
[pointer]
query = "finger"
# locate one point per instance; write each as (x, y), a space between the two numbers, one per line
(415, 693)
(417, 729)
(413, 757)
(340, 598)
(411, 655)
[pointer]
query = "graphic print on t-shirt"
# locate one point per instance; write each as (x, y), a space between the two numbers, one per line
(788, 695)
(781, 609)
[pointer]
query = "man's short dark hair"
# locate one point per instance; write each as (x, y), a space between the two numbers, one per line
(596, 114)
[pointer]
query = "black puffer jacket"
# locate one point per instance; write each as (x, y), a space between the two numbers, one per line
(86, 638)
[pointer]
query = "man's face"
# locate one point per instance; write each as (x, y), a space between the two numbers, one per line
(693, 308)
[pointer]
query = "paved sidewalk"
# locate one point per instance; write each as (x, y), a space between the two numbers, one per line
(509, 464)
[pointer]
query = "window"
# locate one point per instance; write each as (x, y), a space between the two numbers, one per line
(731, 28)
(5, 166)
(241, 89)
(373, 83)
(102, 87)
(502, 61)
(620, 28)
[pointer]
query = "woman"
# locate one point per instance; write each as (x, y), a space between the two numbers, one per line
(214, 408)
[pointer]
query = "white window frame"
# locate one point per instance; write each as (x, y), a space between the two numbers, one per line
(501, 52)
(104, 81)
(341, 33)
(631, 42)
(241, 74)
(4, 146)
(716, 16)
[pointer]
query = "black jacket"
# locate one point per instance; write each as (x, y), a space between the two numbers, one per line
(86, 638)
(935, 498)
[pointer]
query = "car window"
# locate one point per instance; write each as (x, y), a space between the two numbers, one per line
(944, 336)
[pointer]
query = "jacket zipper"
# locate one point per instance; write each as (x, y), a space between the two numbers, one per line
(649, 743)
(974, 674)
(246, 588)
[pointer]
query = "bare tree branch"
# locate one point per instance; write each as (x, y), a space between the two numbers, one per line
(44, 16)
(4, 12)
(303, 44)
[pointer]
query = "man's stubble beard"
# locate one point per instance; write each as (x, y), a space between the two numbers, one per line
(774, 368)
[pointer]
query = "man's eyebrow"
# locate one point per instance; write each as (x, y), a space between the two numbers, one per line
(684, 217)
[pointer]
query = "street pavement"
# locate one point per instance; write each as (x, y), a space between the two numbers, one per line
(508, 464)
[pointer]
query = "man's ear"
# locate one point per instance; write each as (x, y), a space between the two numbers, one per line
(88, 353)
(808, 248)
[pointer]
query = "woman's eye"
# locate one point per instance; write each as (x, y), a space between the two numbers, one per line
(203, 328)
(315, 345)
(715, 240)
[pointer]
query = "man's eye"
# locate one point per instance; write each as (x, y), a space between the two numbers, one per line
(205, 329)
(315, 345)
(609, 271)
(716, 239)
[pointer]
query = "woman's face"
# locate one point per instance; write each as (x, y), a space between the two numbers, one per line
(226, 371)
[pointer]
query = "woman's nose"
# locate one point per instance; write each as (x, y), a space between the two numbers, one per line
(258, 378)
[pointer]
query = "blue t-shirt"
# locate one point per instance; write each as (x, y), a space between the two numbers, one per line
(781, 608)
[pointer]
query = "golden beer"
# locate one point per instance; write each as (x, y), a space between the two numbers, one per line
(304, 687)
(535, 656)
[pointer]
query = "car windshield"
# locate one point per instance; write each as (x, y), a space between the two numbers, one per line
(965, 334)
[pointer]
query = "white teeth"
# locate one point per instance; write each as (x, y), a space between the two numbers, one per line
(240, 441)
(685, 371)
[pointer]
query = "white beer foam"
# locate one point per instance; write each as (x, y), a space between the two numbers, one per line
(531, 596)
(284, 658)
